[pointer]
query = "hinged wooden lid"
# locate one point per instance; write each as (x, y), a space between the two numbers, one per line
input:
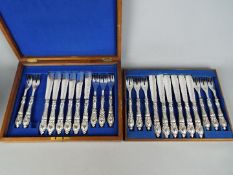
(80, 30)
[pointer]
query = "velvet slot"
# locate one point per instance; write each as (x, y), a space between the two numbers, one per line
(145, 134)
(38, 107)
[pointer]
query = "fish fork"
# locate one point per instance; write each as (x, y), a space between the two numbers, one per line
(95, 84)
(35, 84)
(110, 117)
(19, 118)
(103, 83)
(213, 118)
(139, 122)
(205, 119)
(129, 86)
(221, 118)
(148, 120)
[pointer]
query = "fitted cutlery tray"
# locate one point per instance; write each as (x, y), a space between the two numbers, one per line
(32, 131)
(148, 130)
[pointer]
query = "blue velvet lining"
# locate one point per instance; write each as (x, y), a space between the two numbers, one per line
(37, 110)
(144, 134)
(62, 28)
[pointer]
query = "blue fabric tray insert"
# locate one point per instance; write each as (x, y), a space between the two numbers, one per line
(144, 134)
(38, 107)
(69, 28)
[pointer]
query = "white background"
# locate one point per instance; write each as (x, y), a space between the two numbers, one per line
(156, 33)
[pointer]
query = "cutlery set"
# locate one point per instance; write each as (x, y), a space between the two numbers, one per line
(181, 106)
(71, 87)
(158, 105)
(32, 81)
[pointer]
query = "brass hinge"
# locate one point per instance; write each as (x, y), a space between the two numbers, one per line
(32, 60)
(107, 59)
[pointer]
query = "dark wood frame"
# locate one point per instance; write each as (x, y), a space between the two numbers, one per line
(168, 140)
(64, 60)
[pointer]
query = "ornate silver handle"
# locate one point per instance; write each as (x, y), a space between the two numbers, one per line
(130, 115)
(182, 127)
(94, 111)
(110, 117)
(139, 122)
(174, 128)
(148, 120)
(205, 118)
(222, 120)
(199, 127)
(76, 124)
(102, 112)
(67, 126)
(19, 117)
(59, 125)
(165, 126)
(213, 117)
(27, 117)
(51, 124)
(190, 126)
(84, 125)
(43, 123)
(157, 126)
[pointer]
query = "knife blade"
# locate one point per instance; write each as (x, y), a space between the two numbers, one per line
(176, 88)
(190, 85)
(183, 88)
(168, 88)
(153, 88)
(49, 86)
(161, 88)
(88, 78)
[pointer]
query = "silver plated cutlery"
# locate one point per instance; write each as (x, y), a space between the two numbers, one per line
(103, 84)
(139, 122)
(87, 89)
(129, 86)
(205, 119)
(221, 118)
(165, 125)
(79, 85)
(213, 118)
(153, 91)
(72, 83)
(189, 120)
(148, 120)
(49, 86)
(64, 86)
(52, 117)
(19, 118)
(168, 90)
(198, 126)
(35, 84)
(110, 118)
(176, 89)
(95, 84)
